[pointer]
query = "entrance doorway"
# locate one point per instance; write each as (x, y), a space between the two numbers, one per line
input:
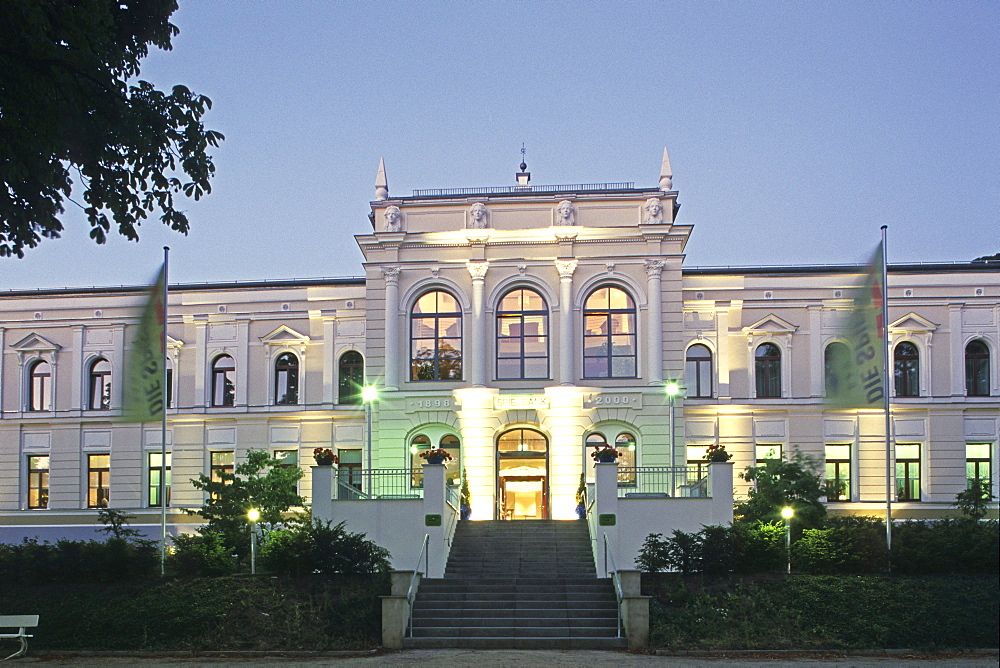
(522, 475)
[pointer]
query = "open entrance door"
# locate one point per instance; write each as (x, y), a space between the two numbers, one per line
(522, 475)
(523, 498)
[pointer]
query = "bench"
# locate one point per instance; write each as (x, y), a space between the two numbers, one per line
(21, 623)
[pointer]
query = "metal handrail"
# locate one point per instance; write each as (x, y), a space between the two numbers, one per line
(614, 578)
(411, 592)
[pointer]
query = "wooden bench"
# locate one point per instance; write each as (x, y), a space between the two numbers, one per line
(21, 623)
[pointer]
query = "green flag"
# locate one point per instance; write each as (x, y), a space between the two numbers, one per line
(145, 395)
(854, 370)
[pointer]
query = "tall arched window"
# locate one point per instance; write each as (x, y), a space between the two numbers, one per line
(436, 338)
(522, 336)
(767, 371)
(286, 379)
(223, 381)
(100, 385)
(906, 370)
(698, 372)
(835, 357)
(40, 387)
(977, 369)
(609, 344)
(350, 377)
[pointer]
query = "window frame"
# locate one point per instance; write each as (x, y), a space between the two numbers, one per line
(223, 374)
(978, 464)
(520, 316)
(761, 461)
(911, 474)
(607, 339)
(695, 389)
(153, 474)
(38, 482)
(841, 472)
(906, 370)
(977, 370)
(767, 371)
(286, 372)
(438, 356)
(828, 390)
(102, 471)
(350, 375)
(42, 390)
(99, 379)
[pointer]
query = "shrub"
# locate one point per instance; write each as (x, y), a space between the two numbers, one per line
(203, 553)
(759, 547)
(844, 545)
(113, 560)
(959, 545)
(318, 547)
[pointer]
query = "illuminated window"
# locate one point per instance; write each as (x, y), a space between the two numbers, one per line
(286, 379)
(223, 381)
(40, 394)
(38, 481)
(289, 460)
(696, 462)
(609, 338)
(436, 338)
(98, 481)
(767, 452)
(351, 377)
(522, 336)
(100, 385)
(908, 472)
(625, 445)
(978, 464)
(698, 372)
(418, 444)
(767, 371)
(838, 473)
(222, 464)
(155, 469)
(907, 370)
(348, 474)
(977, 369)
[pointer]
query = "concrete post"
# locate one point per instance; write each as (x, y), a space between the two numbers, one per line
(396, 609)
(606, 507)
(437, 517)
(720, 477)
(635, 618)
(322, 492)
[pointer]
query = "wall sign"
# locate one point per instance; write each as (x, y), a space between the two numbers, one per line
(432, 520)
(607, 519)
(506, 402)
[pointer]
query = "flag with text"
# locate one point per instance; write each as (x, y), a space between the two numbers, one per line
(145, 395)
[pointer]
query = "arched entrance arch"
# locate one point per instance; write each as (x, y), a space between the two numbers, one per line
(522, 464)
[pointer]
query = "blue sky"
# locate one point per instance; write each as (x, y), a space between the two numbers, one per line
(795, 129)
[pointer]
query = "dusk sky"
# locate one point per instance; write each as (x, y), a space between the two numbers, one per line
(795, 129)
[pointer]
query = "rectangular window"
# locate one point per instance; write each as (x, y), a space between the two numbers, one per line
(764, 453)
(348, 474)
(222, 462)
(978, 464)
(38, 481)
(908, 472)
(98, 481)
(155, 469)
(696, 462)
(289, 460)
(838, 473)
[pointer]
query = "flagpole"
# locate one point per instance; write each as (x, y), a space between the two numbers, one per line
(889, 486)
(163, 426)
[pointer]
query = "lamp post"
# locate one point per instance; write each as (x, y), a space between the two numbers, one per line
(787, 513)
(673, 389)
(253, 515)
(369, 395)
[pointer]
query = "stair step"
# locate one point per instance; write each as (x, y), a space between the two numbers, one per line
(486, 642)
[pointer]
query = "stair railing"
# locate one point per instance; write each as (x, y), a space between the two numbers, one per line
(613, 571)
(411, 593)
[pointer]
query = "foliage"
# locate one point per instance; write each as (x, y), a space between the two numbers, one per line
(435, 453)
(850, 544)
(988, 258)
(604, 453)
(116, 524)
(317, 547)
(225, 614)
(958, 545)
(113, 560)
(325, 457)
(67, 110)
(203, 554)
(738, 548)
(974, 501)
(465, 494)
(259, 482)
(717, 453)
(804, 612)
(780, 483)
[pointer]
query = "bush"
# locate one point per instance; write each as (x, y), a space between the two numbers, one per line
(113, 560)
(960, 545)
(203, 553)
(318, 547)
(740, 548)
(844, 545)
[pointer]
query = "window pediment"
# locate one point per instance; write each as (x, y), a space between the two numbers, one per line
(35, 343)
(284, 336)
(911, 322)
(770, 325)
(174, 343)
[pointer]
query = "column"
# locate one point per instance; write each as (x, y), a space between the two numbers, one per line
(566, 269)
(654, 329)
(477, 360)
(391, 275)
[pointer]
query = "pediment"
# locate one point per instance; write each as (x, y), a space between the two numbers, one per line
(911, 322)
(174, 343)
(35, 343)
(284, 336)
(771, 324)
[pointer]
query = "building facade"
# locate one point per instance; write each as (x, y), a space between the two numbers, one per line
(514, 327)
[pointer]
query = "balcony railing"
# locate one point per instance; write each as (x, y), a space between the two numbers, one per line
(374, 484)
(503, 190)
(661, 482)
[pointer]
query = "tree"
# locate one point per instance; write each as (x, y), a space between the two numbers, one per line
(988, 258)
(780, 483)
(68, 111)
(974, 502)
(259, 482)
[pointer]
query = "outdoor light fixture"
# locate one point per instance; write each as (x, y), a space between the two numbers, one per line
(369, 395)
(788, 513)
(253, 515)
(673, 390)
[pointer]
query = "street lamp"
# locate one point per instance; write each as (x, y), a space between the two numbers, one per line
(253, 515)
(787, 513)
(369, 395)
(673, 390)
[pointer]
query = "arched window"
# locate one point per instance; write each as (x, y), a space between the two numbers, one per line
(767, 371)
(170, 384)
(906, 369)
(522, 336)
(698, 372)
(40, 390)
(100, 385)
(418, 444)
(286, 379)
(453, 466)
(977, 369)
(436, 338)
(223, 381)
(835, 358)
(350, 377)
(625, 445)
(609, 345)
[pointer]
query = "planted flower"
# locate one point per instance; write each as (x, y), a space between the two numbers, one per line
(717, 453)
(325, 457)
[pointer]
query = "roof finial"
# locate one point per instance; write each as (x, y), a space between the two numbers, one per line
(523, 176)
(381, 185)
(666, 173)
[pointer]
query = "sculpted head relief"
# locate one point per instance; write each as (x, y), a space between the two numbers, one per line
(393, 218)
(654, 211)
(565, 213)
(477, 216)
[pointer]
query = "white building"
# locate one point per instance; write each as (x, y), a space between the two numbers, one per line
(512, 326)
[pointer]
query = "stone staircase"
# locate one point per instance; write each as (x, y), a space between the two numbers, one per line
(526, 584)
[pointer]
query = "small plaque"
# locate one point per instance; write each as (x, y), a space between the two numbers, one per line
(432, 520)
(607, 520)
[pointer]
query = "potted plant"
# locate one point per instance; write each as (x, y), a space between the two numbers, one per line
(465, 504)
(604, 454)
(325, 457)
(436, 456)
(717, 453)
(581, 499)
